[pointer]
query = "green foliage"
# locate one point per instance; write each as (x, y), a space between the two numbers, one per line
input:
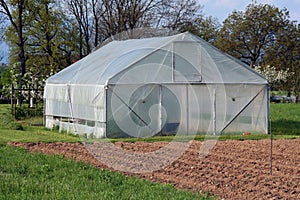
(47, 39)
(206, 28)
(247, 34)
(39, 39)
(285, 56)
(5, 81)
(36, 176)
(26, 112)
(264, 35)
(10, 130)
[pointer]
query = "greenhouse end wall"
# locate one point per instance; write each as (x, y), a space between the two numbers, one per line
(186, 109)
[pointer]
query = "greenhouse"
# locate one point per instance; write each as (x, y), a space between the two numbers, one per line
(177, 84)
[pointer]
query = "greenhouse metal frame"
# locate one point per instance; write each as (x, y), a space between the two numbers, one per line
(157, 86)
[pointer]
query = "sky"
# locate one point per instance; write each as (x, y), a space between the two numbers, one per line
(3, 52)
(222, 8)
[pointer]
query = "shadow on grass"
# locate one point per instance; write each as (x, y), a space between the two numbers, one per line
(287, 127)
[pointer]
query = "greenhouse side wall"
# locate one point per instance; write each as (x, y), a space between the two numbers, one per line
(79, 109)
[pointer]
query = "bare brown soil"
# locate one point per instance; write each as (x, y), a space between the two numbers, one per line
(232, 169)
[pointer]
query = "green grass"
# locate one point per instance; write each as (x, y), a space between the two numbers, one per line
(199, 138)
(21, 131)
(36, 176)
(35, 135)
(6, 119)
(285, 118)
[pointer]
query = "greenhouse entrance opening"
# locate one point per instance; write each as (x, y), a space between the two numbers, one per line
(151, 110)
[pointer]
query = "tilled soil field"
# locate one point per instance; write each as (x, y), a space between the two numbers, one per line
(231, 170)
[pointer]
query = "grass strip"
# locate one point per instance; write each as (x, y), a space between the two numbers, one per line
(36, 176)
(35, 134)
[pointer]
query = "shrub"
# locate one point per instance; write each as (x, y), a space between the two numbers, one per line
(25, 112)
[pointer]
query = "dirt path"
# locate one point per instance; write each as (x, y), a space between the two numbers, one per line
(232, 170)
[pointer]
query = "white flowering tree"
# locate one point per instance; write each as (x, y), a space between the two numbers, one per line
(26, 87)
(274, 76)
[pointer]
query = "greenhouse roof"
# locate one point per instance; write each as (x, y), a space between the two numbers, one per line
(185, 53)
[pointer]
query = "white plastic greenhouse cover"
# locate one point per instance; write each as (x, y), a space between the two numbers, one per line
(143, 87)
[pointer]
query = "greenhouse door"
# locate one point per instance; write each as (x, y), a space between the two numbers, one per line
(142, 111)
(157, 107)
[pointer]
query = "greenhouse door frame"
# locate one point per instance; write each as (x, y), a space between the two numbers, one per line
(160, 115)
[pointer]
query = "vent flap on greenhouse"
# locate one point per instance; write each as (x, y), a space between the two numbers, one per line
(157, 86)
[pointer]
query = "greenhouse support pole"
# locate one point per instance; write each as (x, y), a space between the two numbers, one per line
(160, 110)
(271, 152)
(214, 112)
(106, 109)
(44, 113)
(270, 131)
(187, 109)
(173, 64)
(71, 110)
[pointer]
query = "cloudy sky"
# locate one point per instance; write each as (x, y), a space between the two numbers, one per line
(222, 8)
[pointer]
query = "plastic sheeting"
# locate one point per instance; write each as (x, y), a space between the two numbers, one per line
(143, 87)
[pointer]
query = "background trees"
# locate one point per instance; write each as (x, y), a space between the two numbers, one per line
(80, 12)
(247, 35)
(14, 11)
(45, 36)
(285, 55)
(264, 35)
(205, 27)
(48, 35)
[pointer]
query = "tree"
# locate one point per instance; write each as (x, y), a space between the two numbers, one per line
(97, 12)
(206, 28)
(44, 38)
(177, 14)
(50, 43)
(274, 76)
(2, 22)
(14, 10)
(81, 9)
(247, 35)
(124, 15)
(284, 54)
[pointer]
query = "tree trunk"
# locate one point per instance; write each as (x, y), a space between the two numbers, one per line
(21, 42)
